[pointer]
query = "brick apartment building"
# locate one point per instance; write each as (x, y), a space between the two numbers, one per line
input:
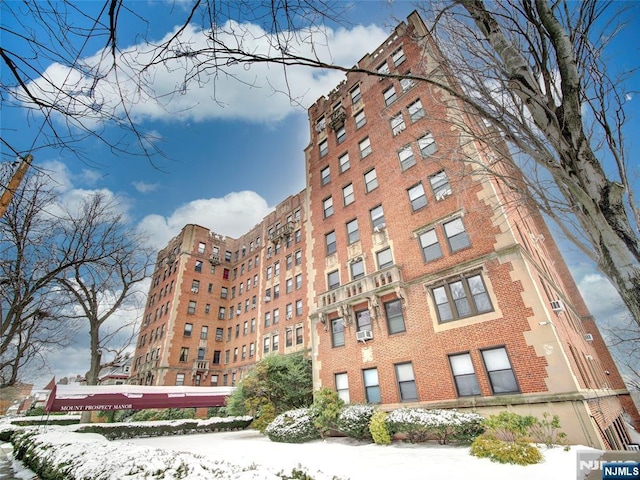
(410, 279)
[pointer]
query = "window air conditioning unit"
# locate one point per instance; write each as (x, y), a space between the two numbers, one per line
(289, 317)
(557, 306)
(267, 298)
(238, 312)
(588, 337)
(194, 290)
(380, 227)
(364, 335)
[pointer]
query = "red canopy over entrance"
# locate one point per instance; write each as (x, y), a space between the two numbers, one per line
(67, 398)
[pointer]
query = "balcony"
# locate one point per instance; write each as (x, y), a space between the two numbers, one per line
(338, 116)
(377, 283)
(214, 259)
(200, 365)
(281, 232)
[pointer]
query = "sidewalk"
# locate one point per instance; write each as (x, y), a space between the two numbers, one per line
(6, 470)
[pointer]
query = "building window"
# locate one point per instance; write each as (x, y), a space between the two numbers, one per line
(224, 291)
(276, 269)
(357, 269)
(333, 280)
(298, 236)
(371, 385)
(321, 124)
(383, 69)
(269, 273)
(275, 342)
(406, 382)
(456, 234)
(389, 95)
(406, 83)
(298, 256)
(501, 376)
(343, 161)
(289, 285)
(191, 308)
(289, 311)
(219, 334)
(207, 308)
(325, 175)
(462, 298)
(266, 343)
(363, 320)
(347, 194)
(180, 379)
(342, 386)
(288, 263)
(184, 354)
(276, 316)
(267, 319)
(195, 286)
(298, 308)
(244, 352)
(188, 328)
(395, 318)
(360, 119)
(225, 273)
(377, 218)
(253, 325)
(245, 328)
(324, 148)
(227, 256)
(398, 57)
(252, 349)
(464, 375)
(299, 335)
(355, 94)
(327, 207)
(365, 147)
(353, 234)
(406, 157)
(440, 185)
(298, 281)
(204, 332)
(288, 337)
(221, 313)
(430, 247)
(417, 197)
(330, 242)
(227, 356)
(201, 354)
(385, 259)
(216, 356)
(397, 124)
(416, 111)
(370, 180)
(427, 145)
(198, 266)
(210, 288)
(341, 135)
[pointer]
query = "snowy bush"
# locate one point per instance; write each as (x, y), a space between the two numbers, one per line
(354, 421)
(420, 425)
(294, 426)
(518, 452)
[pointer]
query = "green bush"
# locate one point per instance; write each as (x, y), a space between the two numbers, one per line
(518, 452)
(162, 414)
(378, 428)
(325, 410)
(547, 431)
(354, 421)
(266, 415)
(509, 426)
(35, 412)
(294, 426)
(444, 426)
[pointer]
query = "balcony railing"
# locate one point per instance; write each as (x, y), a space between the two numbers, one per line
(281, 232)
(352, 292)
(201, 365)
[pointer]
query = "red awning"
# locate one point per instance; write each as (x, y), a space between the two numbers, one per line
(71, 398)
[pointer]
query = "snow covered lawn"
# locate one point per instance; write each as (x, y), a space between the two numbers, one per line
(348, 459)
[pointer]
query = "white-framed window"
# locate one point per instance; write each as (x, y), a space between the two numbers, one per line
(321, 124)
(266, 344)
(357, 269)
(389, 95)
(406, 83)
(198, 266)
(464, 375)
(456, 235)
(383, 68)
(333, 280)
(377, 217)
(355, 94)
(343, 161)
(417, 197)
(337, 332)
(327, 207)
(461, 298)
(201, 247)
(347, 194)
(353, 234)
(406, 157)
(370, 180)
(330, 242)
(342, 386)
(385, 258)
(298, 281)
(440, 185)
(298, 307)
(289, 285)
(398, 57)
(397, 124)
(180, 379)
(188, 328)
(501, 376)
(427, 145)
(406, 382)
(365, 147)
(191, 308)
(363, 320)
(361, 119)
(416, 111)
(430, 246)
(324, 148)
(341, 134)
(325, 175)
(395, 317)
(371, 385)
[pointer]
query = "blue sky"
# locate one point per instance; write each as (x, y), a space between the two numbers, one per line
(227, 162)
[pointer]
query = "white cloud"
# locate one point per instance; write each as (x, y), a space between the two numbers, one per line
(232, 215)
(235, 91)
(144, 187)
(603, 300)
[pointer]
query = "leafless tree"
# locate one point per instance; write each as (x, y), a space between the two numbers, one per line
(41, 241)
(536, 72)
